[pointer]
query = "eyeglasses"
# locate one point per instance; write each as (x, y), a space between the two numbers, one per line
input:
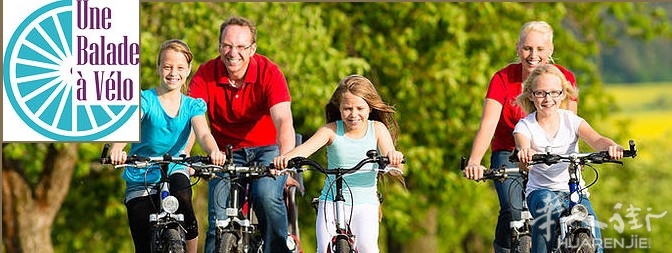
(543, 93)
(239, 48)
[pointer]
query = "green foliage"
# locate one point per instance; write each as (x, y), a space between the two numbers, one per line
(432, 60)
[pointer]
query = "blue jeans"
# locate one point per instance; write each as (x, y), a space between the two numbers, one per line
(267, 200)
(510, 194)
(545, 204)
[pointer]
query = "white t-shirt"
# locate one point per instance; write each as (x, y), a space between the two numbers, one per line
(554, 177)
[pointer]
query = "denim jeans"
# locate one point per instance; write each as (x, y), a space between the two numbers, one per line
(545, 204)
(267, 200)
(510, 194)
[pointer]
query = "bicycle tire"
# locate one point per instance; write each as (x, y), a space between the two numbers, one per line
(172, 241)
(343, 245)
(227, 243)
(523, 244)
(583, 243)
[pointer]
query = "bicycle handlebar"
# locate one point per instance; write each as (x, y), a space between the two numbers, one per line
(296, 163)
(494, 174)
(138, 161)
(578, 158)
(202, 165)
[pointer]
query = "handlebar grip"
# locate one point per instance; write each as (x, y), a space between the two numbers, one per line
(386, 160)
(229, 154)
(513, 158)
(295, 162)
(199, 159)
(104, 159)
(632, 152)
(463, 163)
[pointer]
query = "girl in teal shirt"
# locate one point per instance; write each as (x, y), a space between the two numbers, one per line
(357, 121)
(167, 119)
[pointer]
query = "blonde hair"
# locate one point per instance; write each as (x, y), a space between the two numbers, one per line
(178, 46)
(536, 26)
(530, 84)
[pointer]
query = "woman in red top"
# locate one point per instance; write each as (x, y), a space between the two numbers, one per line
(500, 115)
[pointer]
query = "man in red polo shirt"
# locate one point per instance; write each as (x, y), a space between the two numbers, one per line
(249, 108)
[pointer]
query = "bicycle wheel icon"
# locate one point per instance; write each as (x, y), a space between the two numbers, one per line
(41, 87)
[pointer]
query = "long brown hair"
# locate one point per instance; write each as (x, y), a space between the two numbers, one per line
(362, 87)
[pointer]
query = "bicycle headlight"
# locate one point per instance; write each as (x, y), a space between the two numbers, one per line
(170, 204)
(574, 197)
(580, 212)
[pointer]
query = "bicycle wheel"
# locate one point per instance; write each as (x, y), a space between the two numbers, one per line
(172, 241)
(582, 243)
(40, 83)
(226, 243)
(523, 244)
(343, 245)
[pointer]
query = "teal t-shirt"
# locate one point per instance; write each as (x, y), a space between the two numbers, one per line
(345, 153)
(160, 134)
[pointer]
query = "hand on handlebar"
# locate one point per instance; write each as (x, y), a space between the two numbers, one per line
(396, 158)
(117, 156)
(279, 163)
(473, 171)
(525, 156)
(217, 157)
(615, 152)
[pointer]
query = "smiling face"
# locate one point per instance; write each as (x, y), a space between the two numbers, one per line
(173, 69)
(354, 112)
(547, 95)
(235, 49)
(534, 48)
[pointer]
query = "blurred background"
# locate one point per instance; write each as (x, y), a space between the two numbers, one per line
(433, 62)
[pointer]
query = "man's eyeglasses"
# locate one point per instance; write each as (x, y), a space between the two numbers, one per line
(543, 93)
(239, 48)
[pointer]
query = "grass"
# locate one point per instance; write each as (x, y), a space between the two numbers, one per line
(647, 108)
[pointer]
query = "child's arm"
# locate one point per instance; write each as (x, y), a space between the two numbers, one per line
(322, 137)
(525, 150)
(599, 142)
(207, 141)
(386, 145)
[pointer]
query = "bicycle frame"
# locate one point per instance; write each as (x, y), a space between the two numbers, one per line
(342, 229)
(575, 218)
(240, 213)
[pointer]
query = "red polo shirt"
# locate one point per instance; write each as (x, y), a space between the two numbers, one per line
(504, 87)
(241, 116)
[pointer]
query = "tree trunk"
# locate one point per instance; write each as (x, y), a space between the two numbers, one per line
(29, 209)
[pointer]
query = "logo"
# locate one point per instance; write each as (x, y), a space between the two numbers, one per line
(71, 72)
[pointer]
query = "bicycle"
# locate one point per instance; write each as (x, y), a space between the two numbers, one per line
(238, 232)
(577, 228)
(344, 240)
(166, 226)
(521, 236)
